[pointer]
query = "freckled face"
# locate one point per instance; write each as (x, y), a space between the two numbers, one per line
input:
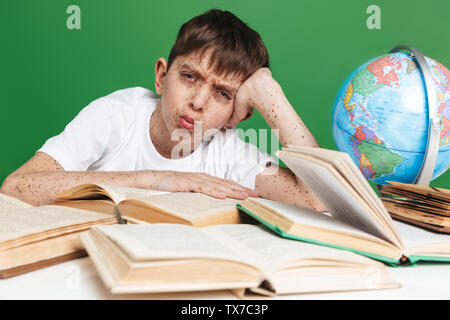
(192, 92)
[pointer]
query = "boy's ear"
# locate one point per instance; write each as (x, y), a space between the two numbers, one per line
(160, 74)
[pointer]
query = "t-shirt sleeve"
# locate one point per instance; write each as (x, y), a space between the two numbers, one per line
(85, 139)
(245, 160)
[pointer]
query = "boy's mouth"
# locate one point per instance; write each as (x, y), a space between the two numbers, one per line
(187, 122)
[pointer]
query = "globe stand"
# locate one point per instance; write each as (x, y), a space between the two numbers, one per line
(434, 122)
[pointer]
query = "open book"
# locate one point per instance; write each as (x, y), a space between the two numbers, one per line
(424, 206)
(152, 206)
(36, 237)
(163, 257)
(358, 221)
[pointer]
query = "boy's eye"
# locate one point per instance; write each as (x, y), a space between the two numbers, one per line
(225, 95)
(188, 76)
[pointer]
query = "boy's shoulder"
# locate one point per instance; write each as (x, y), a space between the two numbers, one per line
(123, 102)
(129, 97)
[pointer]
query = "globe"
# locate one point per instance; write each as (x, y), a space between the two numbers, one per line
(380, 118)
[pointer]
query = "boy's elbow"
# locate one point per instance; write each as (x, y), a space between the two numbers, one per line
(14, 186)
(317, 205)
(10, 186)
(320, 208)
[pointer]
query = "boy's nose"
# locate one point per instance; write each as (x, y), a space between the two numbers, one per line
(195, 106)
(199, 100)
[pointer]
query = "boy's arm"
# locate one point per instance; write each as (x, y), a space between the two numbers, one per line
(40, 179)
(263, 93)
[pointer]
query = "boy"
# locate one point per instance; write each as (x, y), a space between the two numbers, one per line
(216, 74)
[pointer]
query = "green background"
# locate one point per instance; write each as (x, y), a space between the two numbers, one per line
(49, 73)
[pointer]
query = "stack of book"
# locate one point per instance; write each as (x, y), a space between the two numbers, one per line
(358, 220)
(136, 205)
(32, 238)
(249, 259)
(189, 241)
(423, 206)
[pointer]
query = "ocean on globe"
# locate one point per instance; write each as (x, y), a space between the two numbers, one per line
(380, 118)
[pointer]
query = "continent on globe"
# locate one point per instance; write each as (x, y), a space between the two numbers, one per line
(347, 105)
(385, 70)
(380, 118)
(443, 88)
(365, 82)
(374, 159)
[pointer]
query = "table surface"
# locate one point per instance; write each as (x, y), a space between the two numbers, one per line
(78, 279)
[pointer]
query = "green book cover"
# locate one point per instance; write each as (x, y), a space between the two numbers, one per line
(288, 235)
(412, 259)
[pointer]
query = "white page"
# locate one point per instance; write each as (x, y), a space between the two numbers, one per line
(120, 193)
(190, 205)
(143, 242)
(21, 222)
(345, 165)
(309, 217)
(339, 200)
(8, 203)
(250, 244)
(414, 237)
(268, 250)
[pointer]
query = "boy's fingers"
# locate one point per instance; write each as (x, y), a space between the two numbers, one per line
(229, 182)
(233, 193)
(234, 189)
(228, 190)
(219, 187)
(207, 189)
(216, 193)
(220, 193)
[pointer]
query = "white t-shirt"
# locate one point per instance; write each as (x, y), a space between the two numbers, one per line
(112, 134)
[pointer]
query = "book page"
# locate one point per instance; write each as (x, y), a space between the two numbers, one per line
(120, 193)
(189, 205)
(309, 217)
(22, 222)
(143, 242)
(427, 191)
(434, 199)
(342, 162)
(414, 205)
(8, 203)
(268, 251)
(335, 193)
(414, 237)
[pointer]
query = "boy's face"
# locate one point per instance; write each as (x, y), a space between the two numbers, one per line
(192, 92)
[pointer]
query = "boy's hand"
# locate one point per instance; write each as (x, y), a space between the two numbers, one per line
(252, 94)
(177, 181)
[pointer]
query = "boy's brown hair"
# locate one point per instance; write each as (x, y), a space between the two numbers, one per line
(237, 49)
